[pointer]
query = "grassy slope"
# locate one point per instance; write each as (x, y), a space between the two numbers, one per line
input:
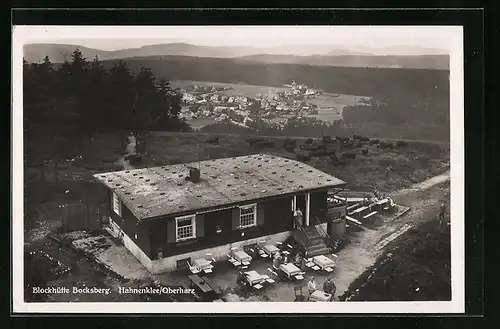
(408, 165)
(416, 268)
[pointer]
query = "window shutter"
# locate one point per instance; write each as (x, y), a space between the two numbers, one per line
(171, 234)
(200, 225)
(260, 213)
(236, 218)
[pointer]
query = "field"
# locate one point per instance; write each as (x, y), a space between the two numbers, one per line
(382, 168)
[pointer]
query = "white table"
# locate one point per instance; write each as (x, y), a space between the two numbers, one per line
(270, 249)
(253, 277)
(320, 296)
(290, 270)
(323, 261)
(202, 263)
(242, 257)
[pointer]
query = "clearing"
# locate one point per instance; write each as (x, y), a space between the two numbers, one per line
(384, 169)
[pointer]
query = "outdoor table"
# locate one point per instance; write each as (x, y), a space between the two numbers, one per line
(290, 270)
(253, 277)
(202, 263)
(200, 283)
(320, 296)
(270, 249)
(212, 285)
(323, 261)
(242, 257)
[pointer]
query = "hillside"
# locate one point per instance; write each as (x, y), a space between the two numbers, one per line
(341, 80)
(439, 62)
(310, 55)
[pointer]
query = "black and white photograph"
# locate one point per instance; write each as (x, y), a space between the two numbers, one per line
(196, 169)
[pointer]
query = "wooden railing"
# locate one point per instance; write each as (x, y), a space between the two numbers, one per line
(318, 224)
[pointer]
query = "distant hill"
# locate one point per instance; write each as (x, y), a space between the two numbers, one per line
(438, 62)
(308, 55)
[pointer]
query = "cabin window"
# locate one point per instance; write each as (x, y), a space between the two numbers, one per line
(185, 227)
(248, 216)
(117, 206)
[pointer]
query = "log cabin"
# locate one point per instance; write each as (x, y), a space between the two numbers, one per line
(172, 214)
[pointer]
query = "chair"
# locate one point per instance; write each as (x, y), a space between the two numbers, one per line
(272, 272)
(299, 296)
(233, 261)
(210, 257)
(193, 269)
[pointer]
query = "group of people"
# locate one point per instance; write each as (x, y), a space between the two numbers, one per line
(328, 286)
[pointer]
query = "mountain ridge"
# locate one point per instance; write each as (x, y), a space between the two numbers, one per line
(336, 56)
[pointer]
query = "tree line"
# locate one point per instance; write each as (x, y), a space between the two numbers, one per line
(66, 106)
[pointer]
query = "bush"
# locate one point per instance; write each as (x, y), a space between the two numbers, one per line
(318, 153)
(386, 145)
(374, 141)
(309, 141)
(303, 157)
(290, 142)
(349, 155)
(327, 139)
(361, 138)
(342, 139)
(213, 139)
(364, 151)
(401, 144)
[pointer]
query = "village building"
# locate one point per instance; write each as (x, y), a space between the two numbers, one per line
(169, 215)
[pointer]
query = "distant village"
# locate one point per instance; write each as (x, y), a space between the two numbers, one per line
(273, 107)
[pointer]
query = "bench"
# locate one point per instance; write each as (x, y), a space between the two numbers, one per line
(352, 206)
(352, 220)
(370, 214)
(358, 210)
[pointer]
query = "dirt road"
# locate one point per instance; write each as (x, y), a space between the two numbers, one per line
(365, 246)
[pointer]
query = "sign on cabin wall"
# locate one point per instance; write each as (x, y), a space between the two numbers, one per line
(117, 206)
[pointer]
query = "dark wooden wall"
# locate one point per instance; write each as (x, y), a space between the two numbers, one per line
(273, 216)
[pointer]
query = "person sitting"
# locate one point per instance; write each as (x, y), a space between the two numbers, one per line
(329, 287)
(312, 286)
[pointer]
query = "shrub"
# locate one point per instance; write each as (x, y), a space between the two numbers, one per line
(361, 138)
(364, 151)
(303, 157)
(327, 139)
(289, 142)
(401, 144)
(374, 141)
(309, 141)
(342, 139)
(318, 153)
(386, 145)
(213, 139)
(349, 155)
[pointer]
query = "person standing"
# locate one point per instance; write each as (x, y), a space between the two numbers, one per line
(312, 286)
(442, 212)
(298, 217)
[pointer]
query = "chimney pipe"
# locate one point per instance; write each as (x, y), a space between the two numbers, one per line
(194, 174)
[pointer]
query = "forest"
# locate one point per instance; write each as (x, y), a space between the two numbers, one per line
(68, 105)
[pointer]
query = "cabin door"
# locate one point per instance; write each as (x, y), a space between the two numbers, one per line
(301, 201)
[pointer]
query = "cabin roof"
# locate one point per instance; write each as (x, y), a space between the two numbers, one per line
(164, 190)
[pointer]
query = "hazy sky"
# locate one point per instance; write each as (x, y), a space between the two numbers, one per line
(119, 37)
